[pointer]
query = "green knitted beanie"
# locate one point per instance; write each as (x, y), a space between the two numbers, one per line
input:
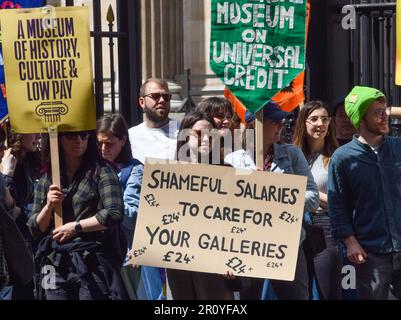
(358, 102)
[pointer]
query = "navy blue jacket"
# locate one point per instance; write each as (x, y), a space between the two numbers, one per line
(364, 194)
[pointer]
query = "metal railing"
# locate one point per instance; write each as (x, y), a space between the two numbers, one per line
(127, 40)
(372, 49)
(190, 92)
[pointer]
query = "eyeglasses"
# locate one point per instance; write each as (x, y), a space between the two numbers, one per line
(223, 116)
(74, 135)
(314, 120)
(379, 113)
(157, 95)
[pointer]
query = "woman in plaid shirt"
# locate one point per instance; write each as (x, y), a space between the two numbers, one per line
(82, 258)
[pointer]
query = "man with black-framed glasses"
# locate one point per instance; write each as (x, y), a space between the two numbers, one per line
(156, 137)
(364, 196)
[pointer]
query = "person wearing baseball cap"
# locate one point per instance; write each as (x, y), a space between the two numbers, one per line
(364, 196)
(271, 111)
(279, 158)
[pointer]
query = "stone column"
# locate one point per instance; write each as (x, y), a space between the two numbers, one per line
(196, 44)
(194, 36)
(162, 44)
(145, 39)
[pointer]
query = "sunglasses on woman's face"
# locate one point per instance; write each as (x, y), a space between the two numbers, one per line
(74, 135)
(223, 116)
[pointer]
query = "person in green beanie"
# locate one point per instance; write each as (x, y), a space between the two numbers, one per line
(364, 196)
(358, 102)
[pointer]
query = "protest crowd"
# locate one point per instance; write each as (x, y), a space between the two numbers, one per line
(257, 195)
(353, 175)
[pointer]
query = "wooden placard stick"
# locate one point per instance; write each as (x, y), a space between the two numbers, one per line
(5, 125)
(54, 157)
(395, 112)
(259, 139)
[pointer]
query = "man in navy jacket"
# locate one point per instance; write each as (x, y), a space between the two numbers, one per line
(364, 194)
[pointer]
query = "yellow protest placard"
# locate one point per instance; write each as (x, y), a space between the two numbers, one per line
(48, 69)
(217, 219)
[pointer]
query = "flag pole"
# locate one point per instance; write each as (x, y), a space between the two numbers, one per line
(259, 139)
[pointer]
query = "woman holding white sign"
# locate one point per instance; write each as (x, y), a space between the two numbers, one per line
(82, 258)
(314, 134)
(195, 145)
(226, 120)
(280, 158)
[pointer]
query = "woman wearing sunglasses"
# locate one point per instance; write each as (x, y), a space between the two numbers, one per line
(194, 145)
(83, 255)
(114, 146)
(314, 134)
(226, 120)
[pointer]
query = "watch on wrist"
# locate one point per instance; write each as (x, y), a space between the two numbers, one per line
(78, 227)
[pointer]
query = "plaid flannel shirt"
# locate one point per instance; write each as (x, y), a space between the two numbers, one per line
(88, 195)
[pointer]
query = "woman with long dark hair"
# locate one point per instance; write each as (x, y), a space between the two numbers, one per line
(194, 145)
(314, 134)
(142, 282)
(226, 121)
(85, 253)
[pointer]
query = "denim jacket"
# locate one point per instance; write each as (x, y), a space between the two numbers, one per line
(364, 194)
(132, 190)
(287, 159)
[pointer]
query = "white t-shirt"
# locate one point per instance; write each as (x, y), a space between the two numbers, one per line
(240, 159)
(159, 143)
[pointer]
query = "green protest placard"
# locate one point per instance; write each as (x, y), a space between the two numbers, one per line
(257, 47)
